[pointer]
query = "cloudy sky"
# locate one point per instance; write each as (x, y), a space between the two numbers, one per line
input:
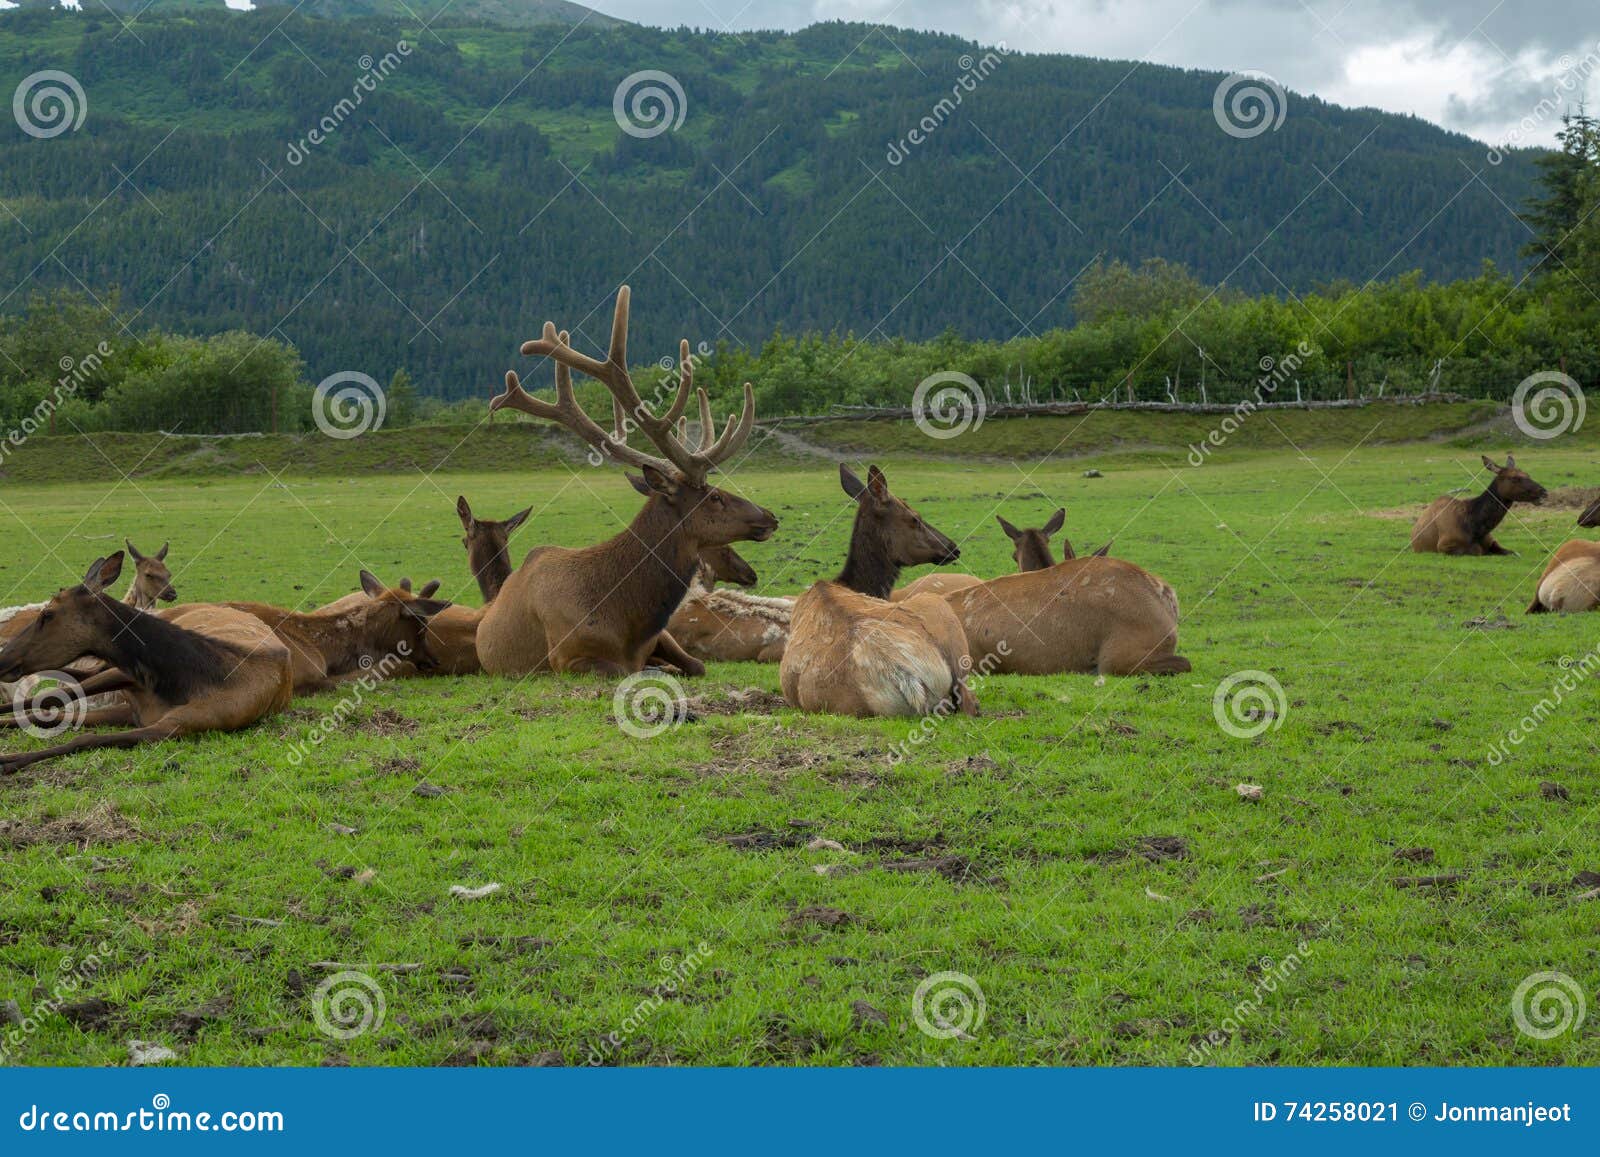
(1477, 66)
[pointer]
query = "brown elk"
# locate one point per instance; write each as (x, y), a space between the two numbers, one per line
(1093, 614)
(1465, 525)
(332, 646)
(851, 651)
(207, 668)
(1571, 580)
(1030, 549)
(487, 543)
(605, 608)
(151, 583)
(730, 626)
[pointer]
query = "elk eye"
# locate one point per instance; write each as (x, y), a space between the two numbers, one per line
(46, 616)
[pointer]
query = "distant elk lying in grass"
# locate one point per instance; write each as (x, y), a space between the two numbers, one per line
(200, 668)
(605, 608)
(851, 651)
(1571, 580)
(1465, 525)
(1030, 549)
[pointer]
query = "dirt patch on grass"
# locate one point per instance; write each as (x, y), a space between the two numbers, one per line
(748, 701)
(1156, 849)
(386, 721)
(1570, 498)
(102, 824)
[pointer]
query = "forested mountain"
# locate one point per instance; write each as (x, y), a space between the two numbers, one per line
(387, 195)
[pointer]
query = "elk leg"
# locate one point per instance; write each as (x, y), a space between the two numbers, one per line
(97, 684)
(589, 665)
(667, 650)
(10, 764)
(1490, 546)
(1537, 608)
(965, 699)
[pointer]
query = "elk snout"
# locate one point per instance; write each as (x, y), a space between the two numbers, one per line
(168, 595)
(764, 527)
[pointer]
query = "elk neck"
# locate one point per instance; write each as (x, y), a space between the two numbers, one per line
(1485, 512)
(661, 557)
(869, 569)
(164, 658)
(491, 566)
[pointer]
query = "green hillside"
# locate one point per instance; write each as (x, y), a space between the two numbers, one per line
(224, 177)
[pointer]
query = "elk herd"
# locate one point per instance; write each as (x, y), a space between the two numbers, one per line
(860, 644)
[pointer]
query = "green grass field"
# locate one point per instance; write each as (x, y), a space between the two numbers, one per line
(1079, 852)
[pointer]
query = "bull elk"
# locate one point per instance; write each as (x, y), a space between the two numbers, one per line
(1084, 615)
(730, 626)
(605, 608)
(207, 668)
(1465, 525)
(331, 646)
(851, 651)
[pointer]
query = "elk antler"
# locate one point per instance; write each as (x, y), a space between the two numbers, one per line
(691, 464)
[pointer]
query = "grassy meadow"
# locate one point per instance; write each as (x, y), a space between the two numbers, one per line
(1079, 853)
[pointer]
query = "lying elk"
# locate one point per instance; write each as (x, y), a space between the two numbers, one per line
(1030, 549)
(730, 626)
(605, 608)
(207, 668)
(1093, 614)
(1464, 525)
(331, 646)
(851, 651)
(1571, 580)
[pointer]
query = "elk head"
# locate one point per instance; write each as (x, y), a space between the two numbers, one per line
(704, 515)
(1511, 484)
(75, 623)
(488, 546)
(152, 581)
(395, 622)
(1031, 548)
(888, 535)
(723, 564)
(1591, 514)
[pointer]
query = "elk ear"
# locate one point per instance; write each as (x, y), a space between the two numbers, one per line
(517, 520)
(878, 484)
(161, 555)
(638, 484)
(1057, 521)
(370, 584)
(102, 573)
(428, 588)
(405, 585)
(853, 486)
(1511, 463)
(1011, 532)
(659, 482)
(424, 609)
(1103, 551)
(133, 551)
(463, 512)
(1488, 463)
